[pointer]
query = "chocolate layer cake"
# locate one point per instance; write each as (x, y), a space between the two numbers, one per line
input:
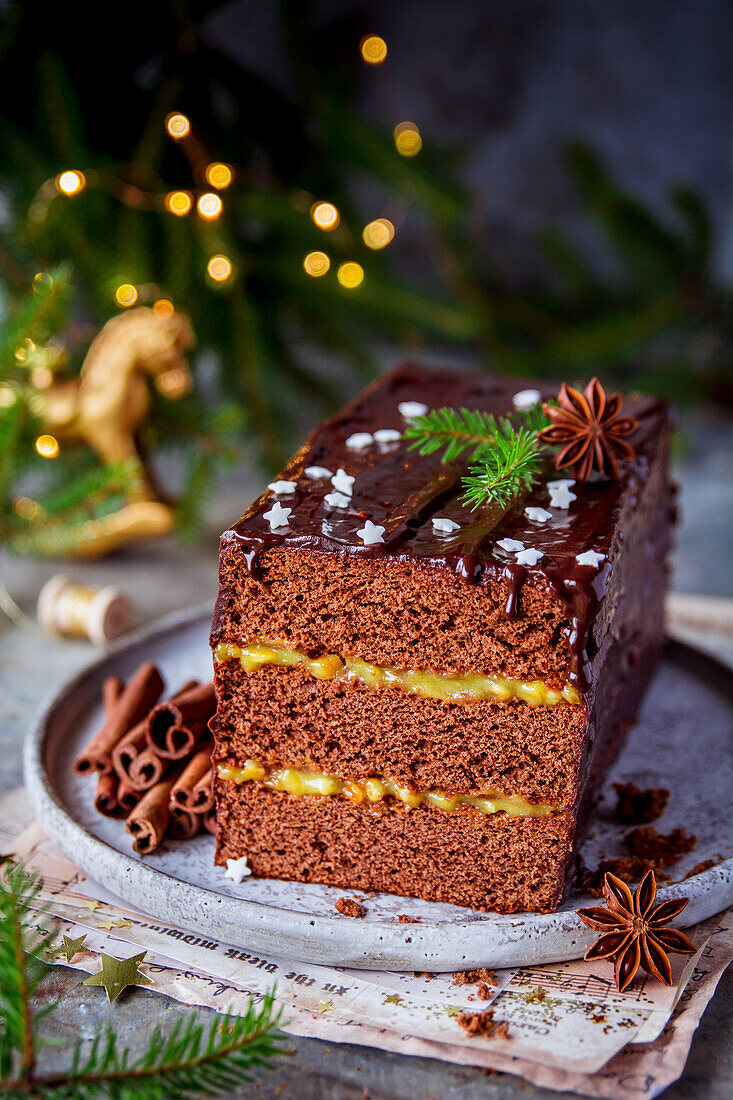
(410, 700)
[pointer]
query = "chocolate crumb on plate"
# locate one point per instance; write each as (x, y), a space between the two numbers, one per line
(349, 907)
(404, 919)
(483, 1023)
(629, 868)
(470, 977)
(660, 849)
(638, 807)
(700, 867)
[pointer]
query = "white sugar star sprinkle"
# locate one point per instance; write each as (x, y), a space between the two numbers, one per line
(510, 545)
(282, 488)
(411, 409)
(316, 471)
(342, 482)
(560, 495)
(387, 435)
(529, 556)
(444, 525)
(538, 515)
(277, 516)
(337, 500)
(237, 869)
(359, 440)
(525, 399)
(590, 557)
(371, 533)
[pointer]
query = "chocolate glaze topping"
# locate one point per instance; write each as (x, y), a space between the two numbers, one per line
(401, 491)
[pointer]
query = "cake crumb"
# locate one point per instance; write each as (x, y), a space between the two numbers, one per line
(638, 807)
(484, 991)
(470, 977)
(349, 907)
(483, 1023)
(423, 974)
(659, 849)
(700, 867)
(629, 868)
(404, 919)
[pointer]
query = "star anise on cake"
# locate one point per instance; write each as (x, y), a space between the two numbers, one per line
(634, 931)
(588, 428)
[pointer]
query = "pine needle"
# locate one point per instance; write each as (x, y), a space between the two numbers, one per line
(505, 459)
(509, 469)
(192, 1060)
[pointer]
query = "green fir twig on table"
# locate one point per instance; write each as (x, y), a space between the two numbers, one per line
(190, 1061)
(505, 458)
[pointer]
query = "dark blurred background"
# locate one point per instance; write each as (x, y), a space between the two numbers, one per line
(554, 178)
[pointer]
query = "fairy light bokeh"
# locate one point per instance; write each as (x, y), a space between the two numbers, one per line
(177, 125)
(126, 295)
(70, 182)
(209, 206)
(218, 175)
(178, 203)
(163, 308)
(220, 268)
(325, 215)
(316, 264)
(407, 139)
(350, 274)
(378, 234)
(373, 49)
(47, 446)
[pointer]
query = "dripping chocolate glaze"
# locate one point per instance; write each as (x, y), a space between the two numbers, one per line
(402, 491)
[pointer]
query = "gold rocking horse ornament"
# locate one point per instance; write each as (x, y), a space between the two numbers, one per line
(106, 405)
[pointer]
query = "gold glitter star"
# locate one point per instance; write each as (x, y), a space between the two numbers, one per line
(324, 1006)
(70, 947)
(121, 923)
(89, 905)
(392, 999)
(117, 974)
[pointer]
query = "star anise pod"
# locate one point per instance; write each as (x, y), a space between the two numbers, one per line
(633, 930)
(588, 428)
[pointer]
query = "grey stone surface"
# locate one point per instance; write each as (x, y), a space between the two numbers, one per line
(165, 576)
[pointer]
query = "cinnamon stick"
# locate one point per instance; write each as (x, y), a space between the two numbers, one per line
(127, 797)
(210, 820)
(174, 726)
(183, 825)
(149, 820)
(135, 764)
(191, 791)
(134, 703)
(106, 799)
(111, 691)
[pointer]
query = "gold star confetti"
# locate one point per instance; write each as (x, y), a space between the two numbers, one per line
(70, 947)
(324, 1006)
(452, 1010)
(117, 974)
(392, 999)
(121, 923)
(89, 905)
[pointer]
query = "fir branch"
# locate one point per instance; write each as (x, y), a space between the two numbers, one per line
(190, 1061)
(60, 526)
(505, 459)
(454, 430)
(512, 467)
(21, 969)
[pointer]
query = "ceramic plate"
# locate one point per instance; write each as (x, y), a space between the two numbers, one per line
(682, 742)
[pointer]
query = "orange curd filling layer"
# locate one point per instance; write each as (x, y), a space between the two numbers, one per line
(466, 687)
(310, 781)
